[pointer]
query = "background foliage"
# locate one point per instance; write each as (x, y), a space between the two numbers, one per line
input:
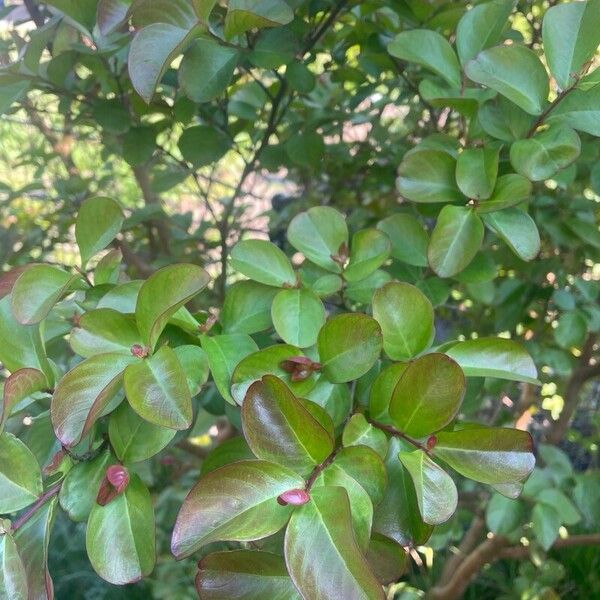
(373, 226)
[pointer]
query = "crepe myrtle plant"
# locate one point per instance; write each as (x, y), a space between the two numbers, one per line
(349, 421)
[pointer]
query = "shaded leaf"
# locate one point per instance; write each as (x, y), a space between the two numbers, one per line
(517, 229)
(243, 15)
(408, 238)
(17, 387)
(370, 248)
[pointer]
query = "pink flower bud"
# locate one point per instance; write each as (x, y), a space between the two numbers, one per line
(431, 442)
(294, 497)
(139, 351)
(118, 477)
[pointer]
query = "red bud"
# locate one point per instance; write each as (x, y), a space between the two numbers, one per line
(114, 483)
(294, 497)
(431, 442)
(139, 351)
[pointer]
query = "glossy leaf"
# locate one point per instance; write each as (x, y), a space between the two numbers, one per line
(580, 110)
(476, 172)
(387, 558)
(84, 393)
(278, 427)
(349, 345)
(319, 233)
(494, 357)
(111, 14)
(370, 248)
(132, 438)
(481, 27)
(398, 516)
(98, 222)
(408, 238)
(570, 33)
(546, 153)
(157, 389)
(365, 466)
(503, 515)
(243, 15)
(406, 318)
(104, 330)
(513, 71)
(13, 578)
(456, 238)
(20, 476)
(321, 552)
(163, 294)
(428, 395)
(428, 49)
(510, 190)
(195, 366)
(428, 176)
(517, 229)
(237, 502)
(359, 432)
(436, 493)
(224, 352)
(487, 454)
(247, 307)
(120, 535)
(297, 316)
(17, 387)
(382, 391)
(216, 63)
(80, 487)
(264, 262)
(249, 574)
(37, 290)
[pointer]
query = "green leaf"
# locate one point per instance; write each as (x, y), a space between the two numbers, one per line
(513, 71)
(571, 330)
(503, 120)
(21, 346)
(370, 248)
(382, 390)
(545, 524)
(274, 47)
(278, 428)
(104, 330)
(571, 34)
(517, 229)
(334, 398)
(32, 540)
(387, 558)
(111, 14)
(487, 454)
(306, 149)
(510, 190)
(264, 262)
(13, 578)
(476, 172)
(319, 233)
(247, 307)
(163, 294)
(268, 361)
(133, 439)
(20, 476)
(237, 502)
(300, 77)
(12, 89)
(398, 516)
(428, 176)
(203, 145)
(580, 110)
(248, 574)
(298, 316)
(436, 493)
(569, 515)
(408, 237)
(503, 515)
(321, 553)
(80, 487)
(17, 387)
(359, 432)
(494, 357)
(349, 345)
(224, 352)
(455, 240)
(481, 27)
(428, 49)
(84, 394)
(428, 395)
(546, 153)
(37, 290)
(406, 318)
(139, 144)
(215, 62)
(120, 535)
(82, 12)
(98, 222)
(243, 15)
(157, 390)
(151, 52)
(362, 291)
(195, 366)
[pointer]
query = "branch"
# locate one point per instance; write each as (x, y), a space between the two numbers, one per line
(550, 108)
(397, 433)
(583, 373)
(34, 12)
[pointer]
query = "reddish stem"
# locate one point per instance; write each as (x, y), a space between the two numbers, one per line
(49, 493)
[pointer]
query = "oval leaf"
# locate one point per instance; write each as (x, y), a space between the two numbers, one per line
(298, 316)
(264, 262)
